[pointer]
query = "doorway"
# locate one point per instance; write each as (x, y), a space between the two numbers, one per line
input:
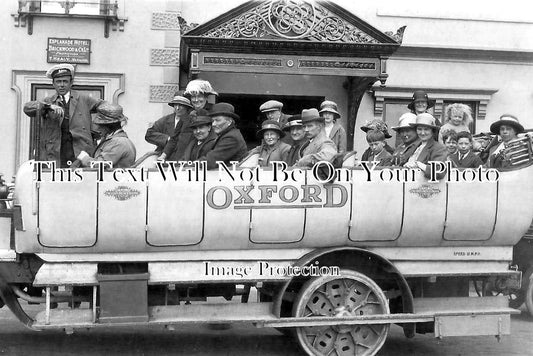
(247, 107)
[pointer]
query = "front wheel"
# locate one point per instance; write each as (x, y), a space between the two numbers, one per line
(348, 294)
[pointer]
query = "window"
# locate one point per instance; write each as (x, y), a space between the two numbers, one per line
(391, 102)
(70, 7)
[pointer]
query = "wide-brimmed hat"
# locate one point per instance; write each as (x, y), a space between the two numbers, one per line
(405, 121)
(60, 70)
(309, 115)
(179, 99)
(376, 124)
(270, 125)
(271, 105)
(224, 109)
(329, 106)
(108, 114)
(201, 117)
(420, 95)
(199, 86)
(508, 120)
(425, 119)
(293, 121)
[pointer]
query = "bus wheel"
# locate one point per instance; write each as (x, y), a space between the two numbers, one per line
(348, 294)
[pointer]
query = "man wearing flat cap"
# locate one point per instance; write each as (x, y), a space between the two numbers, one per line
(320, 147)
(229, 145)
(272, 111)
(65, 130)
(160, 132)
(115, 145)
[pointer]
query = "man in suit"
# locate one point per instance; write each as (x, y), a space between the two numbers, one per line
(204, 135)
(320, 147)
(160, 132)
(65, 129)
(229, 145)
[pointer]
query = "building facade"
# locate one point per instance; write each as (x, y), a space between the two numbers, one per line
(137, 53)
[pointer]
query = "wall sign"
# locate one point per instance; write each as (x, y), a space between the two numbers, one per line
(69, 50)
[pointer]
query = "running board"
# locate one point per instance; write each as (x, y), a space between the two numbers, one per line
(452, 316)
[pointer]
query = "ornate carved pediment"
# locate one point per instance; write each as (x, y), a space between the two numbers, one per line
(295, 21)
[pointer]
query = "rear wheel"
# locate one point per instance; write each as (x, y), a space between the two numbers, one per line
(348, 294)
(529, 290)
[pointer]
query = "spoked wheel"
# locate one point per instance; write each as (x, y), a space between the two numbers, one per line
(348, 294)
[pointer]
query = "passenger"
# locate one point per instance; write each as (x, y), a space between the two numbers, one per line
(182, 134)
(429, 150)
(458, 117)
(115, 145)
(296, 129)
(229, 145)
(380, 125)
(410, 140)
(334, 130)
(198, 91)
(508, 127)
(450, 141)
(464, 157)
(420, 102)
(204, 136)
(271, 149)
(160, 132)
(376, 141)
(65, 130)
(320, 147)
(272, 111)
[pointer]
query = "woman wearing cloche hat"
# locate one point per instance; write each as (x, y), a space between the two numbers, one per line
(271, 149)
(115, 145)
(429, 150)
(334, 130)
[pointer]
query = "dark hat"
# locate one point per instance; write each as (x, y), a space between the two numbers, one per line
(200, 118)
(179, 99)
(329, 106)
(426, 120)
(224, 109)
(108, 114)
(376, 124)
(295, 120)
(508, 120)
(270, 125)
(271, 105)
(309, 115)
(405, 121)
(420, 95)
(60, 70)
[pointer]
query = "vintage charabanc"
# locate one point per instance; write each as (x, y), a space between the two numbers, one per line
(336, 261)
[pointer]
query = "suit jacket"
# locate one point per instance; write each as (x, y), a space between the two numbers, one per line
(116, 148)
(470, 161)
(384, 158)
(160, 132)
(321, 148)
(229, 146)
(270, 154)
(201, 149)
(433, 151)
(182, 136)
(402, 153)
(80, 108)
(294, 152)
(338, 136)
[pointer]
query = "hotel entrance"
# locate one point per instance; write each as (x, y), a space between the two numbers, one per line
(247, 107)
